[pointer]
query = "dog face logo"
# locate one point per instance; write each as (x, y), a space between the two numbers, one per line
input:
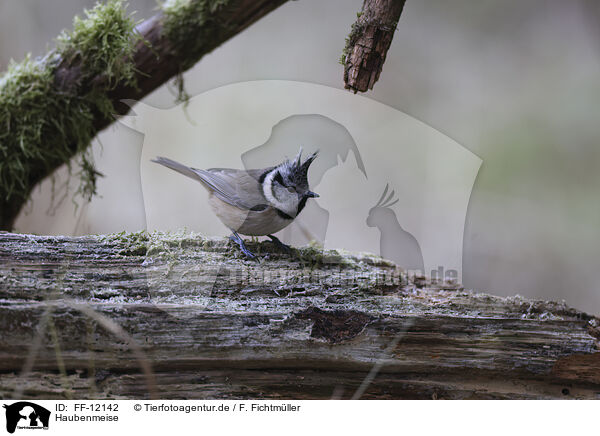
(258, 123)
(26, 415)
(365, 148)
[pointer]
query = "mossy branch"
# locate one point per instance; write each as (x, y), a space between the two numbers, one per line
(52, 107)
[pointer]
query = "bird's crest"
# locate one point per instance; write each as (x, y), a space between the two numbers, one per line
(295, 170)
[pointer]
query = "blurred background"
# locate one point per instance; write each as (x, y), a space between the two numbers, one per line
(516, 83)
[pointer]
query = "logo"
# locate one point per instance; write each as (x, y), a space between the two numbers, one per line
(368, 151)
(26, 415)
(388, 183)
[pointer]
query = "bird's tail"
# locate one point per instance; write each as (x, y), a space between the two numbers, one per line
(180, 168)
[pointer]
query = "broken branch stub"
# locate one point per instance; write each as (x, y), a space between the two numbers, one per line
(368, 43)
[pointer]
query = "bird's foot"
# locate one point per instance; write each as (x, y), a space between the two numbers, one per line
(280, 244)
(238, 240)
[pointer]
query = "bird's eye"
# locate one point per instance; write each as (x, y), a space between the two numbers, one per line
(291, 189)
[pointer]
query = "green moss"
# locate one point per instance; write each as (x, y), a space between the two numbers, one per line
(44, 125)
(193, 30)
(355, 31)
(103, 42)
(88, 176)
(186, 18)
(128, 244)
(311, 255)
(36, 124)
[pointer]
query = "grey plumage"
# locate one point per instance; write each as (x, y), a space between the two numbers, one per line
(240, 188)
(253, 202)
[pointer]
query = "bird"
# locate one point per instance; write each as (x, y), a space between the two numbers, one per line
(255, 202)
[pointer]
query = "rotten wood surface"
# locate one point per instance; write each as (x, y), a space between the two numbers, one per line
(79, 317)
(368, 43)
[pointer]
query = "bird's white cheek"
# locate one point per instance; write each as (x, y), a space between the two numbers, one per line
(268, 188)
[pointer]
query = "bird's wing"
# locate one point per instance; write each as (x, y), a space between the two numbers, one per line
(240, 188)
(256, 174)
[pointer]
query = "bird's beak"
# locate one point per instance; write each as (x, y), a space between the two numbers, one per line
(311, 194)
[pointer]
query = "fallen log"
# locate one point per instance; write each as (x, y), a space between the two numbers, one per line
(182, 316)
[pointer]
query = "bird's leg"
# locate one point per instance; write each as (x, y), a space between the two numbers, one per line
(238, 240)
(280, 244)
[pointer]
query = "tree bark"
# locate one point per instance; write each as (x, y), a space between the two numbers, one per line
(368, 43)
(79, 316)
(156, 60)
